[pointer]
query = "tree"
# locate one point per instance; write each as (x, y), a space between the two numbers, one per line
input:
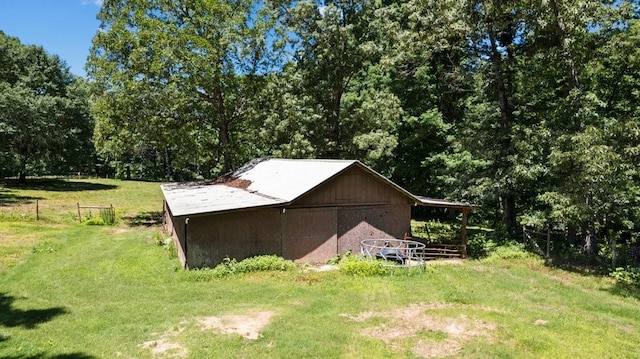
(43, 115)
(177, 78)
(352, 113)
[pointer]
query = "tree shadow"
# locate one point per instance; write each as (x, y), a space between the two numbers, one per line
(144, 219)
(8, 198)
(12, 317)
(58, 185)
(624, 290)
(55, 356)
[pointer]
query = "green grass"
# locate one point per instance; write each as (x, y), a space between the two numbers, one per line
(76, 291)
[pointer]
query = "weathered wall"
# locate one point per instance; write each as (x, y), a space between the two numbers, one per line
(371, 222)
(352, 187)
(236, 235)
(175, 227)
(309, 235)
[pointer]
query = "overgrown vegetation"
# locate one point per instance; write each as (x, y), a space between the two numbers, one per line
(230, 266)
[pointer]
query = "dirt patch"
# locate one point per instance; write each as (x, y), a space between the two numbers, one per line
(164, 346)
(118, 231)
(322, 268)
(418, 322)
(449, 261)
(249, 325)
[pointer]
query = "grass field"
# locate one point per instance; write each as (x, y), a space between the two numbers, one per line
(69, 290)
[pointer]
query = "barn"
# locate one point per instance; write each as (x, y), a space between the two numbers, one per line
(304, 210)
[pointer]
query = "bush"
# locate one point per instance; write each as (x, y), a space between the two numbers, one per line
(510, 250)
(627, 275)
(94, 221)
(230, 266)
(353, 265)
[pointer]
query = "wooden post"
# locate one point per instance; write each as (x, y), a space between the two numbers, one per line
(463, 232)
(548, 240)
(37, 210)
(79, 218)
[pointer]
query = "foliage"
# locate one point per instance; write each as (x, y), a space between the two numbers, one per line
(230, 266)
(175, 81)
(94, 221)
(627, 275)
(356, 266)
(45, 126)
(511, 251)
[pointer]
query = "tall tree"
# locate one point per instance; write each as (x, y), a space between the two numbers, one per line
(41, 113)
(177, 77)
(334, 57)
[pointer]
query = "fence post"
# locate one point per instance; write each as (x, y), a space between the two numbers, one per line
(37, 210)
(79, 218)
(548, 240)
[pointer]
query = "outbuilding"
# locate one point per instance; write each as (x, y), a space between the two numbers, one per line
(304, 210)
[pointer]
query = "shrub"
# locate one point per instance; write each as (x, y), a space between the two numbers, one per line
(627, 275)
(353, 265)
(264, 263)
(94, 221)
(510, 250)
(230, 266)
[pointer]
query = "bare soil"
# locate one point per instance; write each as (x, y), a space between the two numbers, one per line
(248, 325)
(416, 321)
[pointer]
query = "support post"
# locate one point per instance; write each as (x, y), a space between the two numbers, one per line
(79, 218)
(463, 232)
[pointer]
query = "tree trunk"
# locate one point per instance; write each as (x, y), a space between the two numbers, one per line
(224, 137)
(571, 75)
(224, 132)
(505, 140)
(590, 246)
(335, 122)
(22, 177)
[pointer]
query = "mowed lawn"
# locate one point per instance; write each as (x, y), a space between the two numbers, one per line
(69, 290)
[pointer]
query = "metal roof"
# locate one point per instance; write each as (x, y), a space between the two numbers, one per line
(432, 202)
(265, 183)
(270, 182)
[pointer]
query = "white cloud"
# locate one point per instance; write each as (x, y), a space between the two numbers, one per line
(95, 2)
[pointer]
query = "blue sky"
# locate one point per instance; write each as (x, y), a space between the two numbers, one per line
(63, 27)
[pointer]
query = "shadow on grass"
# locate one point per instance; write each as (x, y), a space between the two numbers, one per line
(144, 219)
(595, 269)
(58, 185)
(8, 198)
(625, 290)
(56, 356)
(12, 317)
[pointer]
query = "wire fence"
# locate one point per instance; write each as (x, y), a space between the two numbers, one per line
(621, 251)
(42, 210)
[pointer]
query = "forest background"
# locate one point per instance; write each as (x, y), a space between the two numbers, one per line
(529, 109)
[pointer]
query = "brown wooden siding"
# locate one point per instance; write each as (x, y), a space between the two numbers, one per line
(371, 222)
(352, 187)
(236, 235)
(309, 235)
